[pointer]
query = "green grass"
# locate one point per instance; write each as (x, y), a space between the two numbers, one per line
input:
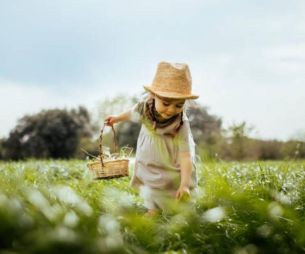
(56, 207)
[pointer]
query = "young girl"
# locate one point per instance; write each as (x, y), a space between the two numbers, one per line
(165, 147)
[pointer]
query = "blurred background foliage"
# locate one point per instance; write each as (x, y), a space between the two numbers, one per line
(62, 133)
(54, 133)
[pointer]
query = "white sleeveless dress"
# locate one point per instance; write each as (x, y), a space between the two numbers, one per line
(157, 163)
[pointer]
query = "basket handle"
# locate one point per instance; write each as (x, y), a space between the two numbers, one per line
(101, 142)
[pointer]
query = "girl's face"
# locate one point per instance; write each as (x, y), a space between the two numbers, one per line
(168, 107)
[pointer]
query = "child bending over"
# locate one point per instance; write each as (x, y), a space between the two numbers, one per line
(164, 166)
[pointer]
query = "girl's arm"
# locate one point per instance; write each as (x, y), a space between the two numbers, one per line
(186, 175)
(110, 120)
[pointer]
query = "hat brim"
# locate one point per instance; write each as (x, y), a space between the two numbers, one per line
(170, 95)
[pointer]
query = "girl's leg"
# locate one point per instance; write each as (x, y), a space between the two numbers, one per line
(146, 194)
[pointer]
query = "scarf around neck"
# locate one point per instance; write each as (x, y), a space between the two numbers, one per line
(151, 113)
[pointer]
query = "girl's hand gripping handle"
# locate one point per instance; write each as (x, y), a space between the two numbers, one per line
(110, 120)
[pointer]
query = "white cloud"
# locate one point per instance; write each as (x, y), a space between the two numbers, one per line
(18, 99)
(264, 92)
(247, 60)
(296, 51)
(288, 60)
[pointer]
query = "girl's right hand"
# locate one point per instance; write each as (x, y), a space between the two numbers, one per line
(110, 120)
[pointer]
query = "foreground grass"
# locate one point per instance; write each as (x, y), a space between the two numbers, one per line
(56, 207)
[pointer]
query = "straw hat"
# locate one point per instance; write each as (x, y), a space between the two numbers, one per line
(172, 80)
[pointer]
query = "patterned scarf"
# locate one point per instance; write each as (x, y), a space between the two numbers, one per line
(151, 113)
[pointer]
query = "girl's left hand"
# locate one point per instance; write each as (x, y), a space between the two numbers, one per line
(183, 193)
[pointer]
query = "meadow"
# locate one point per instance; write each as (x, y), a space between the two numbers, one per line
(56, 207)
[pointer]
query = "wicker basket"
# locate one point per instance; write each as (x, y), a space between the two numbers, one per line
(112, 168)
(108, 166)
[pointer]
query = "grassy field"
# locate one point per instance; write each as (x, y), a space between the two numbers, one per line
(56, 207)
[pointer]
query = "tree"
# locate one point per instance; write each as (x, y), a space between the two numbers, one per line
(113, 106)
(1, 149)
(293, 149)
(238, 139)
(54, 133)
(126, 132)
(206, 128)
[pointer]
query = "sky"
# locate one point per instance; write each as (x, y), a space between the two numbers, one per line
(247, 58)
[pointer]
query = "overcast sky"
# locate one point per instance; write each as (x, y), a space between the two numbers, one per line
(247, 58)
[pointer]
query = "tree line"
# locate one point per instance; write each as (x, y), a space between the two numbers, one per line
(66, 134)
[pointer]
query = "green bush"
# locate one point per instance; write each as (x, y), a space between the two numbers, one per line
(52, 133)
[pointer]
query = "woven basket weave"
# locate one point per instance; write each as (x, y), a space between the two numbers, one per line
(103, 167)
(112, 168)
